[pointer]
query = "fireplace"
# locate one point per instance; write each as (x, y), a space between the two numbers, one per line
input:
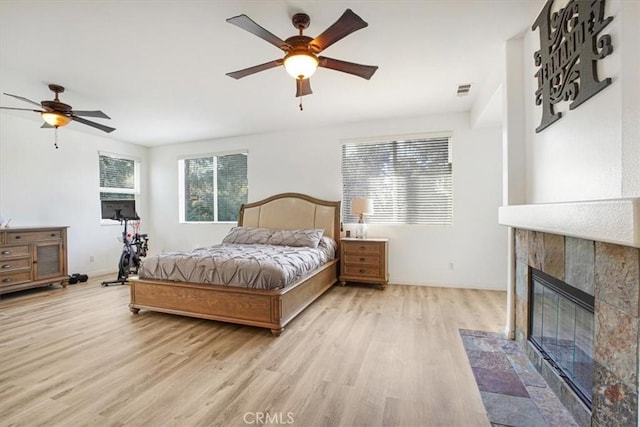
(561, 328)
(578, 299)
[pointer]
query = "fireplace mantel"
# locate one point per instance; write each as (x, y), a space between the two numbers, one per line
(612, 221)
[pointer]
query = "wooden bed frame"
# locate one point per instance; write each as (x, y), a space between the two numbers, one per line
(271, 309)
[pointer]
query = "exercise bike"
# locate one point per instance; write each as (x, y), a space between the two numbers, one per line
(134, 248)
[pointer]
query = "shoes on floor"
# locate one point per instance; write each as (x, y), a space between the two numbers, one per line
(77, 277)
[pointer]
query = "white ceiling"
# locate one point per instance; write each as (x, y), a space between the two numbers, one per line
(157, 68)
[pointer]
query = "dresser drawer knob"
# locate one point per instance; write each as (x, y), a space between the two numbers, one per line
(7, 280)
(5, 266)
(362, 259)
(6, 252)
(362, 248)
(53, 234)
(18, 237)
(363, 271)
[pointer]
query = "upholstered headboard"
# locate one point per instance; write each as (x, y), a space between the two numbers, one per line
(290, 211)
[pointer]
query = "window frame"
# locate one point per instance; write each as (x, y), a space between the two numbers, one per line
(182, 184)
(136, 181)
(389, 139)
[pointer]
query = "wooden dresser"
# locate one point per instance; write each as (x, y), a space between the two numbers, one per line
(364, 260)
(31, 257)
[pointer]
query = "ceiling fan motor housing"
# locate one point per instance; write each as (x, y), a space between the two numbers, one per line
(299, 43)
(56, 106)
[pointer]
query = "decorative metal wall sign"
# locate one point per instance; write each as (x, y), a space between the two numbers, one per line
(568, 55)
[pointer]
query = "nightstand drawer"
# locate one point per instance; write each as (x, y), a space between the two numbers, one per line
(362, 259)
(362, 270)
(364, 248)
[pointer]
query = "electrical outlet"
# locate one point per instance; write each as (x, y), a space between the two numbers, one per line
(91, 258)
(450, 266)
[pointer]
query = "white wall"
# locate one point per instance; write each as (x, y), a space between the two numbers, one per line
(41, 186)
(309, 163)
(592, 152)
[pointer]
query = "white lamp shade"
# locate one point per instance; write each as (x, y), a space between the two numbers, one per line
(300, 64)
(362, 206)
(55, 119)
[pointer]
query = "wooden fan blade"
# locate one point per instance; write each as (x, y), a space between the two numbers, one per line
(348, 23)
(364, 71)
(98, 113)
(21, 109)
(22, 98)
(93, 124)
(257, 68)
(303, 87)
(248, 24)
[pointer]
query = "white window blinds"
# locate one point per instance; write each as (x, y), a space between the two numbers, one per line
(410, 181)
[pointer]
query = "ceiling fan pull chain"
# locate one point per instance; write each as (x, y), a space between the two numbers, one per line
(299, 90)
(55, 138)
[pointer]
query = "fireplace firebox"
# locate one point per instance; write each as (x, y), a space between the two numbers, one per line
(561, 322)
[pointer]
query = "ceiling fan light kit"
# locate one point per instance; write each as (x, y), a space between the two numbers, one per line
(55, 119)
(301, 51)
(300, 65)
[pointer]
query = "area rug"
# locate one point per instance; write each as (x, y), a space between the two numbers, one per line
(513, 392)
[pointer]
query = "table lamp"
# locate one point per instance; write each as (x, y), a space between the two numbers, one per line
(361, 207)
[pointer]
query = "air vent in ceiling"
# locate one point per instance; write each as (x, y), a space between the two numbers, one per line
(464, 89)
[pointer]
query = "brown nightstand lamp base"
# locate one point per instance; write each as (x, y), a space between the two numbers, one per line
(364, 261)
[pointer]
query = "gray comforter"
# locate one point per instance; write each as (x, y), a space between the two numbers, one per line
(250, 266)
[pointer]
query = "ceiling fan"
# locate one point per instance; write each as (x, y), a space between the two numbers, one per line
(301, 52)
(56, 113)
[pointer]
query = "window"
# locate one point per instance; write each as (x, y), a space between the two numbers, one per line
(410, 181)
(119, 177)
(213, 187)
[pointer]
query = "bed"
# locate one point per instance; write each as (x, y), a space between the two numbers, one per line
(266, 308)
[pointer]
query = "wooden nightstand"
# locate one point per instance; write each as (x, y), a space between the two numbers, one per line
(364, 260)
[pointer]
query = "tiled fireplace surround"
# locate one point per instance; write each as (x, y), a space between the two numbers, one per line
(611, 273)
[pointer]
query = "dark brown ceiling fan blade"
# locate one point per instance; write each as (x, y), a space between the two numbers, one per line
(348, 23)
(364, 71)
(248, 24)
(255, 69)
(303, 87)
(97, 113)
(93, 124)
(22, 98)
(21, 109)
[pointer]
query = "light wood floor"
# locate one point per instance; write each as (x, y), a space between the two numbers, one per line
(357, 356)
